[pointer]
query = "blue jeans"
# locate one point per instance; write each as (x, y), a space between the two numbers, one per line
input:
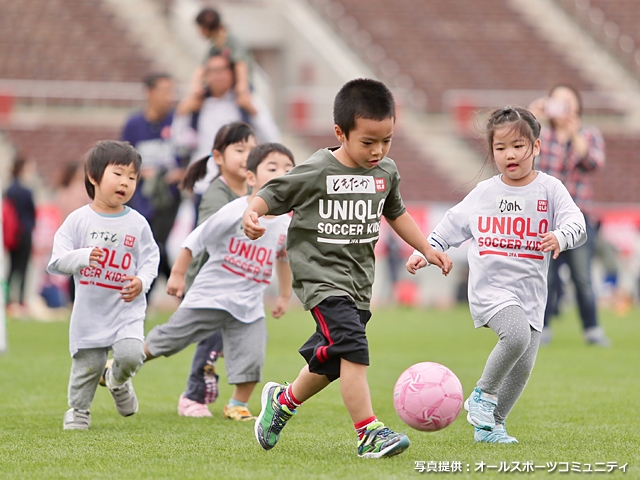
(202, 386)
(579, 262)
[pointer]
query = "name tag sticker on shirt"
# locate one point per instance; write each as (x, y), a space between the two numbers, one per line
(337, 184)
(102, 237)
(510, 205)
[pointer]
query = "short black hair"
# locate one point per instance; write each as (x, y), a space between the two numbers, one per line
(151, 81)
(362, 98)
(104, 153)
(209, 19)
(262, 151)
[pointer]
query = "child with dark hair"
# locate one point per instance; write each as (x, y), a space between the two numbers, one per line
(516, 222)
(227, 293)
(338, 197)
(111, 253)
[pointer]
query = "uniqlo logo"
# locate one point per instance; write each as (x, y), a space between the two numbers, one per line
(381, 184)
(129, 241)
(543, 205)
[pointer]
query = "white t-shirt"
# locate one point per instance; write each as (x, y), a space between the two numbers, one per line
(238, 270)
(506, 265)
(100, 317)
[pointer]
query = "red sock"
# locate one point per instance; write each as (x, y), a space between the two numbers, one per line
(287, 398)
(361, 427)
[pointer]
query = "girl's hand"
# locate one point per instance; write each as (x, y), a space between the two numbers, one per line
(132, 289)
(252, 227)
(415, 263)
(95, 257)
(175, 285)
(550, 243)
(280, 308)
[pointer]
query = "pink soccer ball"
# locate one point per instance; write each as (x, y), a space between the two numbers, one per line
(428, 396)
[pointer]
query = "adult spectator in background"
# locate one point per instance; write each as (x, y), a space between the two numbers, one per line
(211, 103)
(225, 43)
(157, 196)
(21, 198)
(572, 152)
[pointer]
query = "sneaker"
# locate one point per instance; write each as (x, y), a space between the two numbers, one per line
(123, 395)
(107, 366)
(191, 408)
(596, 336)
(497, 435)
(238, 413)
(76, 419)
(378, 441)
(480, 410)
(273, 416)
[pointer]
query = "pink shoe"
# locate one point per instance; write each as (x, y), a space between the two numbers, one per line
(189, 408)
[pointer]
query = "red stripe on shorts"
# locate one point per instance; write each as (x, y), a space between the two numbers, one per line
(321, 352)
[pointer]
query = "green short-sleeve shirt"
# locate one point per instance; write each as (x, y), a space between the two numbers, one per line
(335, 225)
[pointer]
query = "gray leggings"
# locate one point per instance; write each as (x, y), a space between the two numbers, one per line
(509, 366)
(88, 364)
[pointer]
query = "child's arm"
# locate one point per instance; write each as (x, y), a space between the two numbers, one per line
(283, 270)
(175, 284)
(66, 259)
(147, 268)
(407, 229)
(256, 209)
(570, 227)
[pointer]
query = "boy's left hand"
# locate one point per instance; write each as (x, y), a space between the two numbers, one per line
(280, 308)
(440, 259)
(549, 243)
(132, 289)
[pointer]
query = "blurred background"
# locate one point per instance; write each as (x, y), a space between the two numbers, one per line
(71, 73)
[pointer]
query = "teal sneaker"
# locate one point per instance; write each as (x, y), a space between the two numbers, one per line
(497, 435)
(378, 441)
(273, 416)
(480, 410)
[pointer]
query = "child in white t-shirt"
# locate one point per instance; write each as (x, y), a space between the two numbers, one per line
(516, 221)
(227, 293)
(110, 251)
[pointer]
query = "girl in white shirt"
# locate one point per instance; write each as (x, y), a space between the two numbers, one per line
(110, 251)
(516, 221)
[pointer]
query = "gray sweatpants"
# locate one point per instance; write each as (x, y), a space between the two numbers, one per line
(245, 344)
(87, 366)
(509, 365)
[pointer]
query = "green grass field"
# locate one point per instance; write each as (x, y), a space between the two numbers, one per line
(581, 405)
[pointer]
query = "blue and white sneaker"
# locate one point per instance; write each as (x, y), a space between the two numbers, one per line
(497, 435)
(480, 409)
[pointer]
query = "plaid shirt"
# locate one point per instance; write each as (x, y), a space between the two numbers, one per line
(559, 160)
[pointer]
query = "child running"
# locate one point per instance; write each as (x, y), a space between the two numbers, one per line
(231, 148)
(514, 221)
(110, 251)
(338, 197)
(227, 293)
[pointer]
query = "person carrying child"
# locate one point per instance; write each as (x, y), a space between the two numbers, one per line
(231, 148)
(516, 221)
(227, 293)
(338, 197)
(110, 251)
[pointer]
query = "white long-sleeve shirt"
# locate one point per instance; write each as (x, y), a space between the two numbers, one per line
(100, 317)
(504, 223)
(238, 270)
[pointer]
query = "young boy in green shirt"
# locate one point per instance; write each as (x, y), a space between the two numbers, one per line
(338, 197)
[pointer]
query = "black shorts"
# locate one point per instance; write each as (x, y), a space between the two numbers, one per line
(340, 333)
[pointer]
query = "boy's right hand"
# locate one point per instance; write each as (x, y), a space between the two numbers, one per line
(251, 225)
(95, 257)
(415, 263)
(175, 285)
